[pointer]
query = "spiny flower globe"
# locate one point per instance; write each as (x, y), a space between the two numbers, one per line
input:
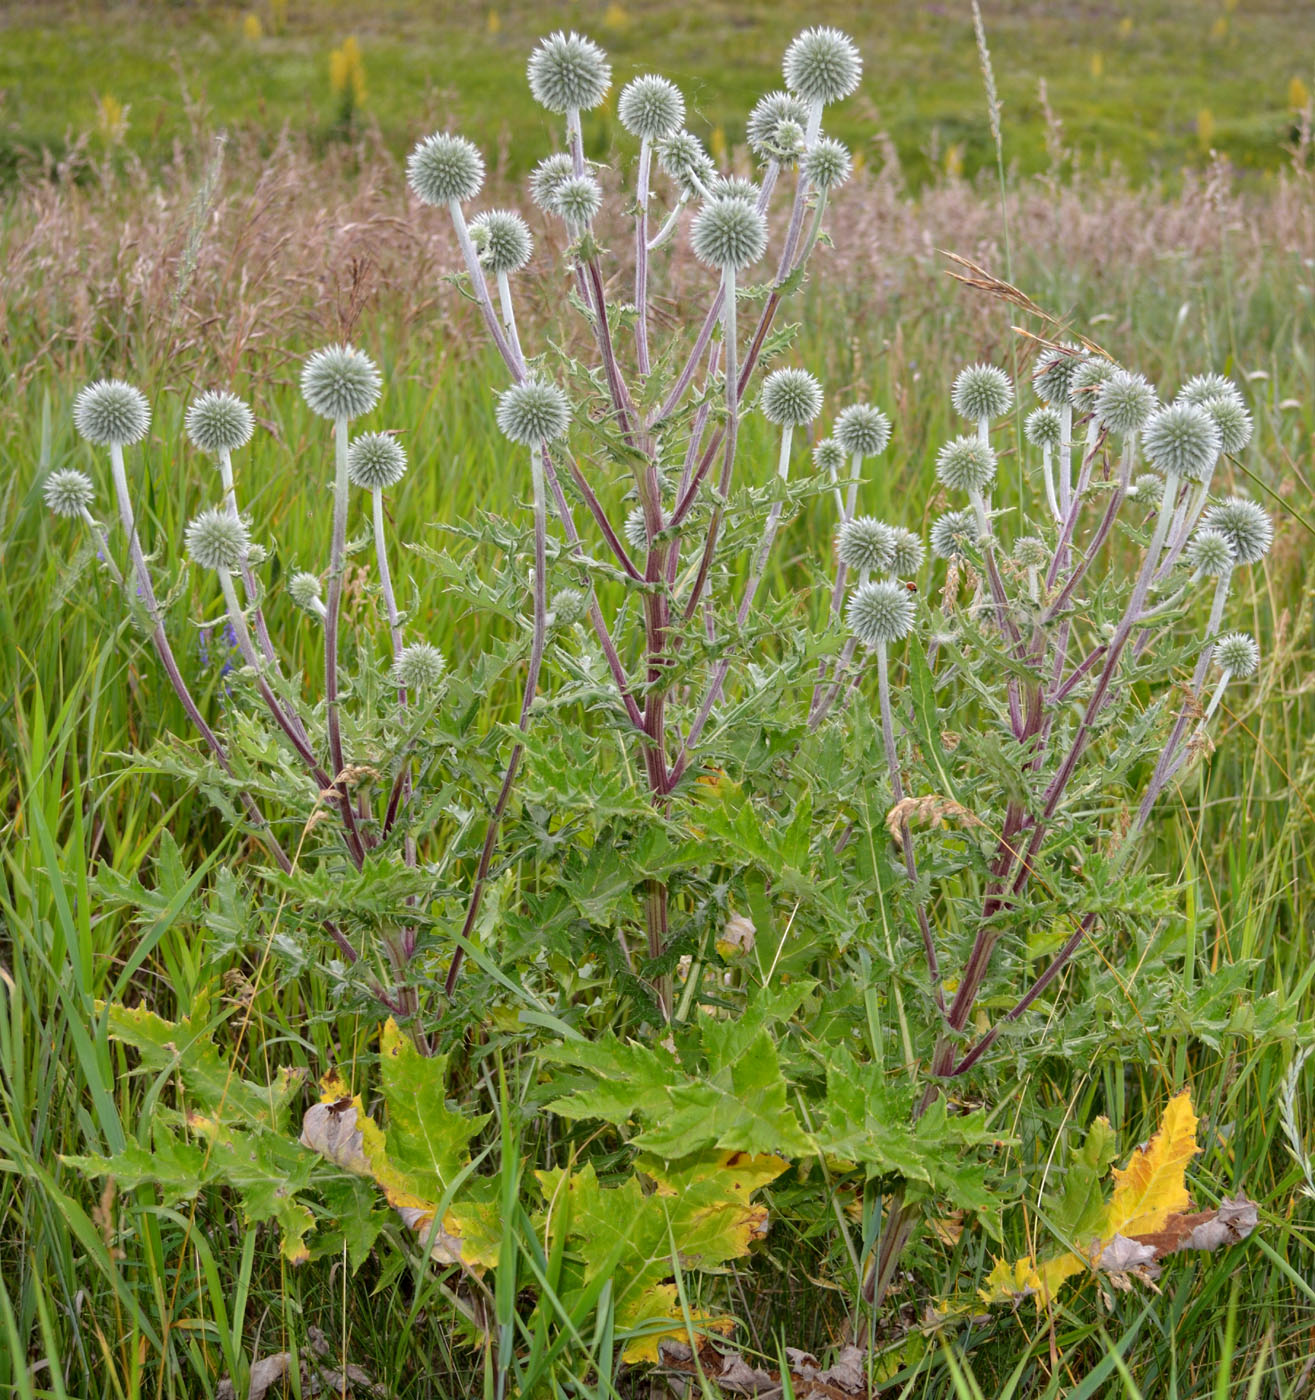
(828, 456)
(789, 140)
(304, 589)
(1124, 403)
(68, 492)
(907, 552)
(568, 606)
(728, 234)
(982, 391)
(828, 164)
(1200, 388)
(216, 540)
(419, 667)
(219, 422)
(635, 528)
(862, 430)
(865, 544)
(1245, 525)
(822, 65)
(965, 464)
(443, 169)
(340, 382)
(791, 397)
(503, 240)
(111, 413)
(1052, 377)
(1042, 427)
(375, 460)
(547, 176)
(1030, 553)
(682, 157)
(533, 412)
(1238, 654)
(651, 107)
(880, 612)
(734, 187)
(578, 199)
(568, 73)
(768, 113)
(1087, 379)
(1182, 440)
(1232, 420)
(953, 533)
(1210, 553)
(1147, 489)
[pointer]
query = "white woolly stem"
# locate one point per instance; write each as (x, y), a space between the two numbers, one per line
(98, 534)
(575, 139)
(509, 315)
(641, 256)
(984, 431)
(475, 271)
(1050, 484)
(855, 475)
(337, 562)
(1064, 467)
(669, 227)
(1210, 709)
(814, 127)
(978, 504)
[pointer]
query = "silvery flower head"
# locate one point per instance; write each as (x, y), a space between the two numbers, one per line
(822, 65)
(533, 412)
(907, 552)
(966, 464)
(862, 430)
(568, 73)
(728, 234)
(1182, 440)
(1147, 489)
(216, 540)
(1200, 388)
(304, 590)
(635, 528)
(734, 187)
(418, 667)
(982, 391)
(568, 606)
(682, 157)
(443, 169)
(1042, 427)
(1210, 553)
(257, 554)
(67, 492)
(953, 534)
(1090, 374)
(547, 176)
(111, 413)
(1238, 654)
(578, 199)
(375, 460)
(218, 422)
(1125, 402)
(829, 456)
(651, 107)
(761, 129)
(828, 164)
(340, 382)
(880, 612)
(791, 397)
(790, 138)
(1030, 553)
(502, 239)
(1245, 525)
(1052, 376)
(1232, 420)
(865, 544)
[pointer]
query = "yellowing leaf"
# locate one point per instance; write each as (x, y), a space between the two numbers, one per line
(1153, 1186)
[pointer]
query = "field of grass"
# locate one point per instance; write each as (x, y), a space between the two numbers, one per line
(122, 1296)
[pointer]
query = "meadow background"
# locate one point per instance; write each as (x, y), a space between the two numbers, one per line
(1158, 193)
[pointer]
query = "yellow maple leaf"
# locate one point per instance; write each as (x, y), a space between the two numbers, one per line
(1153, 1184)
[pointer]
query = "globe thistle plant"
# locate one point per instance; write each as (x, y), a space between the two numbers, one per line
(1245, 525)
(111, 413)
(953, 534)
(569, 74)
(828, 165)
(651, 108)
(339, 382)
(578, 200)
(1232, 420)
(1201, 388)
(533, 412)
(683, 160)
(218, 423)
(866, 545)
(1182, 441)
(69, 494)
(982, 392)
(968, 464)
(1043, 429)
(1209, 554)
(418, 667)
(568, 606)
(305, 592)
(829, 457)
(880, 612)
(445, 169)
(635, 529)
(735, 187)
(502, 239)
(822, 66)
(546, 177)
(861, 431)
(1237, 657)
(762, 130)
(907, 552)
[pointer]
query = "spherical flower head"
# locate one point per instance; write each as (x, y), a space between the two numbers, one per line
(862, 430)
(1203, 387)
(375, 460)
(68, 492)
(965, 464)
(828, 164)
(953, 534)
(533, 412)
(880, 612)
(1030, 553)
(340, 382)
(683, 159)
(635, 529)
(651, 107)
(1125, 402)
(304, 590)
(569, 73)
(822, 65)
(1245, 525)
(578, 199)
(1232, 420)
(829, 456)
(503, 240)
(1147, 489)
(789, 140)
(1238, 654)
(219, 422)
(547, 176)
(982, 391)
(1210, 553)
(865, 545)
(907, 552)
(216, 540)
(257, 554)
(1042, 427)
(111, 413)
(418, 667)
(1052, 377)
(734, 187)
(791, 397)
(762, 128)
(568, 606)
(728, 234)
(1090, 374)
(1182, 440)
(443, 168)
